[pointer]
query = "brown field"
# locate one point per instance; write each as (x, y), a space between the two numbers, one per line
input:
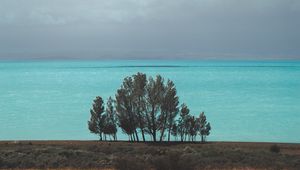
(157, 156)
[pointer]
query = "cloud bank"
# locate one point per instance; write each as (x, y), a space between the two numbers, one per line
(142, 29)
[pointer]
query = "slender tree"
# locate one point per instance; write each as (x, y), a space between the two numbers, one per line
(155, 92)
(96, 122)
(174, 130)
(193, 128)
(110, 118)
(204, 127)
(183, 121)
(125, 109)
(139, 91)
(169, 109)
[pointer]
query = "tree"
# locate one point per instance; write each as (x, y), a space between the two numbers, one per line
(96, 122)
(125, 109)
(139, 91)
(183, 121)
(110, 119)
(204, 127)
(193, 128)
(174, 130)
(169, 108)
(154, 95)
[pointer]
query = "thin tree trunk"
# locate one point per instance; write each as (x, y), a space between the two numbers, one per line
(133, 137)
(136, 134)
(153, 124)
(164, 127)
(169, 133)
(154, 135)
(181, 136)
(140, 120)
(161, 135)
(143, 135)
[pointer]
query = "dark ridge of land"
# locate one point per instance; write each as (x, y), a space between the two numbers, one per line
(137, 156)
(179, 66)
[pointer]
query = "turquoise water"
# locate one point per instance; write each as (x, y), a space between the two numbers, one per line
(243, 100)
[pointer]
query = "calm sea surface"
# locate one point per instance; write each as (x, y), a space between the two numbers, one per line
(243, 100)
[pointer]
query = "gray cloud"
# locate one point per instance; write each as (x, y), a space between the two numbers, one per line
(149, 29)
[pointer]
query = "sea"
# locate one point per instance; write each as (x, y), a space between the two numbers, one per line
(255, 101)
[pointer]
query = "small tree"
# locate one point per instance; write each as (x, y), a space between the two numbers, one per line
(192, 128)
(110, 119)
(174, 130)
(183, 122)
(204, 127)
(96, 122)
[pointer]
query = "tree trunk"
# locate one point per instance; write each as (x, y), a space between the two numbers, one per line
(133, 137)
(136, 134)
(169, 134)
(164, 127)
(162, 135)
(100, 136)
(181, 136)
(143, 135)
(153, 124)
(154, 136)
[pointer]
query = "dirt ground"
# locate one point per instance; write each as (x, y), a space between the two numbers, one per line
(156, 156)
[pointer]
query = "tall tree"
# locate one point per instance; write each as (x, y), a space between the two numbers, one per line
(125, 109)
(169, 108)
(96, 122)
(204, 127)
(139, 91)
(155, 92)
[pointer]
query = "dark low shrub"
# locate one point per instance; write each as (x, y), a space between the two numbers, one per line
(173, 160)
(275, 149)
(129, 163)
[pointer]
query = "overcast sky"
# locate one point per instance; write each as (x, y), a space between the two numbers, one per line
(139, 29)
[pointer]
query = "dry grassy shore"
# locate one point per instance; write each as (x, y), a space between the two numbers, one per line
(137, 156)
